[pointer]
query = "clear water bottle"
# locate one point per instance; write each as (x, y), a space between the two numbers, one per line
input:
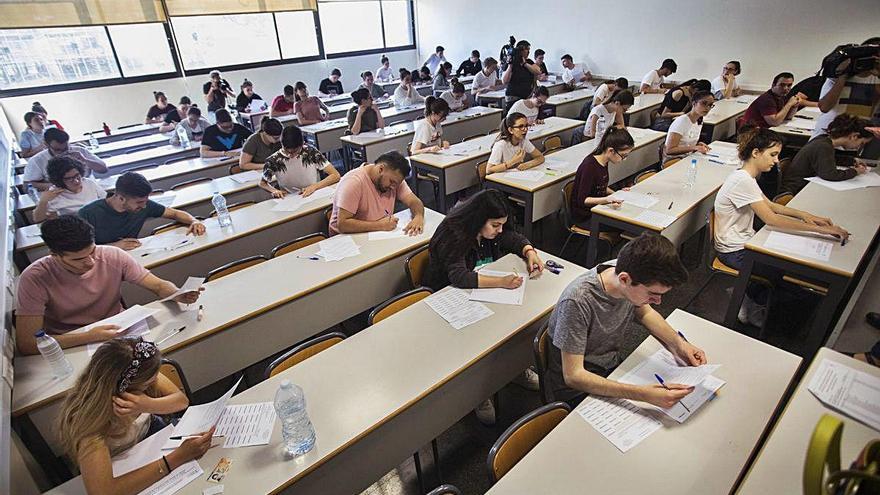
(219, 203)
(51, 350)
(691, 174)
(32, 192)
(93, 141)
(296, 428)
(182, 135)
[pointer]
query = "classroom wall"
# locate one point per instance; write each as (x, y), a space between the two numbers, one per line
(630, 38)
(84, 110)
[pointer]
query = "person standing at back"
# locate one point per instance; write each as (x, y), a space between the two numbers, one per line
(521, 75)
(653, 81)
(435, 60)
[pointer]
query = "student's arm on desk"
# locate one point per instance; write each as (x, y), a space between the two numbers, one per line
(674, 146)
(332, 178)
(164, 288)
(245, 162)
(205, 151)
(662, 331)
(784, 217)
(195, 227)
(347, 224)
(27, 326)
(537, 159)
(417, 208)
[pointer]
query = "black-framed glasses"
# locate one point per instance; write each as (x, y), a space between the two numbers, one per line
(621, 155)
(73, 179)
(707, 104)
(524, 126)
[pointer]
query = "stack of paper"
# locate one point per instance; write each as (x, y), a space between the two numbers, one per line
(870, 179)
(199, 419)
(338, 248)
(848, 390)
(257, 106)
(500, 295)
(537, 128)
(725, 155)
(804, 124)
(150, 450)
(620, 421)
(132, 323)
(526, 175)
(295, 201)
(453, 306)
(162, 242)
(557, 165)
(800, 245)
(656, 218)
(245, 177)
(635, 198)
(462, 149)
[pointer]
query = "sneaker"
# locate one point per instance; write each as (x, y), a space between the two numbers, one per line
(757, 315)
(743, 315)
(528, 380)
(486, 413)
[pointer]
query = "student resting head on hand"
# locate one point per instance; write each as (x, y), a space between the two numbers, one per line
(364, 115)
(70, 190)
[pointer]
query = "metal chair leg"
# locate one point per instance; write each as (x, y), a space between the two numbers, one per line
(436, 451)
(418, 464)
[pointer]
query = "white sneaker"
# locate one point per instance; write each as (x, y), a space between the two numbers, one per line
(744, 310)
(486, 412)
(528, 380)
(757, 315)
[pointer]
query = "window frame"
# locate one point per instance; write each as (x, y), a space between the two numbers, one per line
(376, 51)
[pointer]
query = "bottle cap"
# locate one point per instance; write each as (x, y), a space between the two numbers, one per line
(286, 384)
(40, 333)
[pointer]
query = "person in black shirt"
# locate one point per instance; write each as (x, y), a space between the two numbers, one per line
(812, 87)
(216, 90)
(471, 66)
(331, 85)
(176, 115)
(677, 102)
(522, 73)
(157, 112)
(539, 61)
(247, 95)
(225, 138)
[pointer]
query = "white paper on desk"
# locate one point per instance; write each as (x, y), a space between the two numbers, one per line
(800, 245)
(500, 295)
(635, 198)
(870, 179)
(192, 284)
(338, 248)
(107, 182)
(257, 106)
(651, 217)
(848, 390)
(136, 329)
(404, 217)
(556, 165)
(150, 450)
(453, 306)
(165, 200)
(537, 128)
(462, 149)
(526, 175)
(162, 242)
(295, 201)
(244, 425)
(199, 419)
(807, 125)
(621, 422)
(245, 177)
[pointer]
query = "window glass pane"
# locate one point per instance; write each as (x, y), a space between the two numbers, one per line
(296, 31)
(222, 40)
(43, 57)
(142, 49)
(398, 26)
(350, 26)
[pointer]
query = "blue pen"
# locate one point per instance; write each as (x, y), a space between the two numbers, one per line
(313, 258)
(663, 384)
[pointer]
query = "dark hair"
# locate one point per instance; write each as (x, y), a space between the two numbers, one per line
(700, 95)
(291, 137)
(336, 72)
(475, 53)
(360, 95)
(540, 91)
(566, 57)
(194, 110)
(395, 161)
(518, 56)
(489, 61)
(184, 100)
(539, 52)
(383, 59)
(872, 41)
(67, 234)
(299, 86)
(846, 124)
(271, 126)
(133, 185)
(447, 65)
(246, 83)
(506, 123)
(425, 69)
(651, 258)
(439, 49)
(29, 116)
(222, 116)
(158, 94)
(467, 218)
(737, 65)
(752, 138)
(36, 107)
(702, 85)
(54, 134)
(512, 40)
(614, 138)
(457, 87)
(782, 75)
(404, 73)
(623, 97)
(621, 83)
(288, 90)
(442, 70)
(60, 165)
(366, 73)
(436, 105)
(669, 64)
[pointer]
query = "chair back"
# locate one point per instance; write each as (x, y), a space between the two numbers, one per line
(415, 265)
(541, 350)
(234, 206)
(522, 436)
(397, 303)
(670, 163)
(187, 183)
(647, 174)
(783, 198)
(567, 189)
(235, 169)
(445, 490)
(157, 192)
(175, 160)
(171, 370)
(551, 143)
(141, 168)
(301, 352)
(291, 246)
(481, 171)
(782, 167)
(234, 266)
(328, 214)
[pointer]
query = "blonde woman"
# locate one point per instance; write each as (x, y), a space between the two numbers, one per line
(114, 405)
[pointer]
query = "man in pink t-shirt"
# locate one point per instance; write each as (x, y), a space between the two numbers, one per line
(78, 284)
(364, 200)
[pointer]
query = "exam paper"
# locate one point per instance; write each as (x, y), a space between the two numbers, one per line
(165, 200)
(404, 217)
(870, 179)
(557, 165)
(807, 125)
(192, 284)
(245, 177)
(150, 450)
(162, 242)
(257, 106)
(500, 295)
(462, 149)
(635, 198)
(800, 245)
(848, 390)
(618, 420)
(132, 323)
(651, 217)
(526, 175)
(199, 419)
(338, 248)
(295, 201)
(244, 425)
(453, 306)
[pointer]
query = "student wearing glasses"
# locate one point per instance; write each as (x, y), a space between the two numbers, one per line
(57, 145)
(225, 138)
(261, 145)
(296, 167)
(428, 136)
(194, 125)
(676, 101)
(385, 73)
(591, 180)
(69, 192)
(531, 107)
(725, 86)
(157, 112)
(364, 116)
(511, 147)
(176, 115)
(309, 109)
(684, 133)
(608, 114)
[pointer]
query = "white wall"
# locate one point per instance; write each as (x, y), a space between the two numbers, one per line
(84, 110)
(632, 37)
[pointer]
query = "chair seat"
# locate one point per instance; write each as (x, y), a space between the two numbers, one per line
(604, 236)
(718, 266)
(432, 178)
(806, 285)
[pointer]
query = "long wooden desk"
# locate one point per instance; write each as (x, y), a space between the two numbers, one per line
(123, 145)
(779, 466)
(499, 96)
(120, 163)
(455, 168)
(722, 118)
(544, 197)
(703, 455)
(690, 207)
(854, 210)
(122, 133)
(639, 114)
(243, 307)
(798, 130)
(335, 111)
(325, 136)
(569, 104)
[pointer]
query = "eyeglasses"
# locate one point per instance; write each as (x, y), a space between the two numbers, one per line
(706, 103)
(621, 155)
(73, 179)
(523, 126)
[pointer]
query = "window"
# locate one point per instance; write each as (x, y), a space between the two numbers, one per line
(297, 34)
(142, 49)
(351, 26)
(397, 22)
(45, 57)
(211, 41)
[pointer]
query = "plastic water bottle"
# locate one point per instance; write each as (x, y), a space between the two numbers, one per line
(93, 141)
(692, 174)
(32, 192)
(49, 348)
(296, 428)
(219, 203)
(182, 136)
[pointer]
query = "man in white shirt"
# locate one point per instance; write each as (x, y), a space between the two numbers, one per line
(653, 81)
(435, 60)
(724, 86)
(573, 74)
(58, 144)
(487, 79)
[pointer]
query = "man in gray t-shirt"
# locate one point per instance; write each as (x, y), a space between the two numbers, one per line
(590, 320)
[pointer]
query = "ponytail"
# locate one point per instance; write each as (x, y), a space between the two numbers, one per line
(366, 74)
(615, 138)
(753, 138)
(436, 106)
(157, 95)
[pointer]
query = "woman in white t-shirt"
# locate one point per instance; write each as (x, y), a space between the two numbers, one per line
(296, 167)
(384, 73)
(740, 199)
(684, 133)
(70, 190)
(512, 147)
(428, 136)
(405, 94)
(456, 97)
(531, 107)
(607, 114)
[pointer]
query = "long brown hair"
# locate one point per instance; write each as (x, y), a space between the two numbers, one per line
(507, 122)
(87, 413)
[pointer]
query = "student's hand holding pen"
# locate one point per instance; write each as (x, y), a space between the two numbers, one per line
(388, 223)
(664, 395)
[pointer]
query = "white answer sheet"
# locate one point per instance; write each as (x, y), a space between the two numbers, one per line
(150, 450)
(800, 245)
(853, 392)
(500, 295)
(454, 306)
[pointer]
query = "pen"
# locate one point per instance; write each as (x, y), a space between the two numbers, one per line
(682, 336)
(172, 334)
(201, 313)
(660, 379)
(181, 437)
(670, 205)
(716, 161)
(843, 241)
(313, 258)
